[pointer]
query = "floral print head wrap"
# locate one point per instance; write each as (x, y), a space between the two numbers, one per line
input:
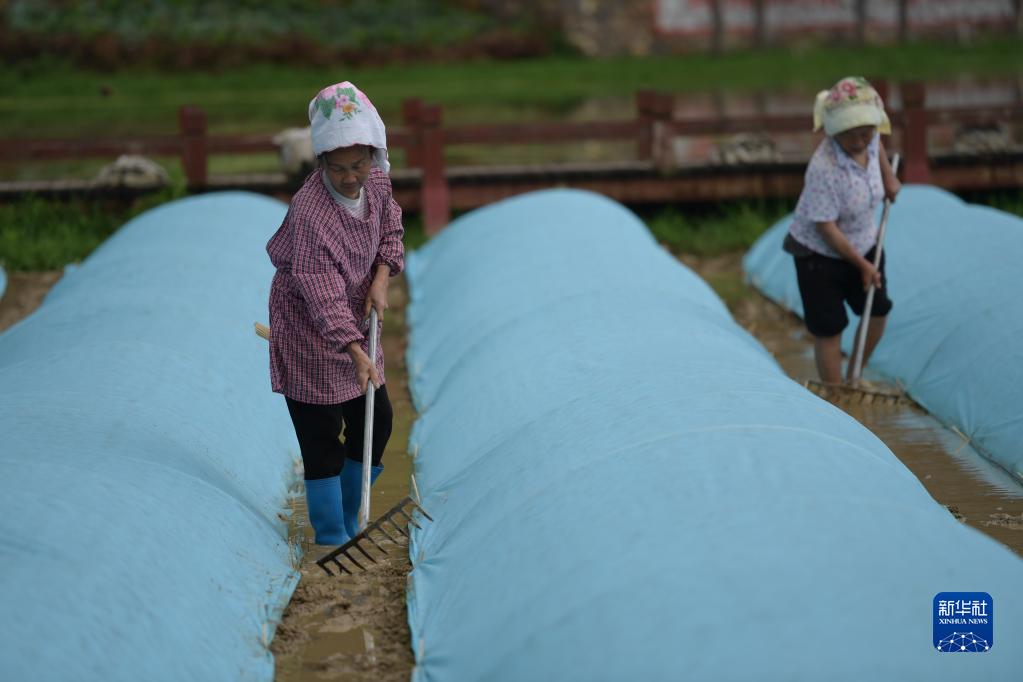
(341, 116)
(850, 103)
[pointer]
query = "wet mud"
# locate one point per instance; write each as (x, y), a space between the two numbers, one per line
(347, 627)
(24, 292)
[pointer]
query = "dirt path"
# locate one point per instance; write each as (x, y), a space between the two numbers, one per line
(354, 627)
(24, 293)
(347, 628)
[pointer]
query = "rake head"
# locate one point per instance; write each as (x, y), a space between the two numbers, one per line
(844, 394)
(347, 550)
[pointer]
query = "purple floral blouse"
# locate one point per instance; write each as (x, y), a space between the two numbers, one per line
(837, 188)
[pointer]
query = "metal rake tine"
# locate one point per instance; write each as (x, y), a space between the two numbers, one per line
(340, 566)
(399, 528)
(322, 563)
(352, 559)
(389, 518)
(355, 544)
(367, 536)
(376, 526)
(401, 511)
(420, 509)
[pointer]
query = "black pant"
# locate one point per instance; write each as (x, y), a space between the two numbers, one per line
(827, 284)
(319, 430)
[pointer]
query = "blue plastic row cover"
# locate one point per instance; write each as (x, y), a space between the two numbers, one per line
(625, 486)
(145, 462)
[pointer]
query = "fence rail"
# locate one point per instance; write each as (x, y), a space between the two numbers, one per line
(427, 183)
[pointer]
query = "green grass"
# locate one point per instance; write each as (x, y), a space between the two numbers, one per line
(37, 234)
(46, 235)
(415, 235)
(718, 230)
(1008, 201)
(50, 98)
(43, 235)
(350, 24)
(723, 230)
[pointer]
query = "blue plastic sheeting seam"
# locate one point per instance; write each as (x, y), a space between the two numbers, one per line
(626, 486)
(146, 463)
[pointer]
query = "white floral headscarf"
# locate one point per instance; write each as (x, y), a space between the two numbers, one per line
(851, 103)
(341, 116)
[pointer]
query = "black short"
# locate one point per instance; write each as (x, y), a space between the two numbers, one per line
(319, 431)
(826, 284)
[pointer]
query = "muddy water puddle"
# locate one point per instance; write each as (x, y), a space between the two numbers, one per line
(975, 490)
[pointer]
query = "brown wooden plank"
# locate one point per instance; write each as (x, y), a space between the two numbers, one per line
(537, 133)
(18, 149)
(241, 144)
(745, 124)
(976, 115)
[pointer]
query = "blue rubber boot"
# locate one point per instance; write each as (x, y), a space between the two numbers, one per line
(351, 492)
(323, 497)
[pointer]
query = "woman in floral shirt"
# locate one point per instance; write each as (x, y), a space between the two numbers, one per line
(833, 234)
(339, 245)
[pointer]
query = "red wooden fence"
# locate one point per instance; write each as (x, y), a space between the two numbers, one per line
(424, 138)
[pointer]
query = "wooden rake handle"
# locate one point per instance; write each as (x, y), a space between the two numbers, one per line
(861, 332)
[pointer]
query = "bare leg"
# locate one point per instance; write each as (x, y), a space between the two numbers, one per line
(827, 351)
(875, 329)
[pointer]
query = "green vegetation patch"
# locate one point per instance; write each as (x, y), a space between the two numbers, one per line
(47, 98)
(354, 23)
(39, 234)
(44, 235)
(715, 230)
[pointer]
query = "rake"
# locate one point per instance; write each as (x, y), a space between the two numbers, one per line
(348, 549)
(398, 511)
(844, 394)
(857, 391)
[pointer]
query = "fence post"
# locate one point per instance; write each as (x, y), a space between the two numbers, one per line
(759, 24)
(880, 86)
(192, 124)
(435, 196)
(653, 109)
(717, 17)
(411, 116)
(861, 22)
(914, 133)
(644, 113)
(903, 14)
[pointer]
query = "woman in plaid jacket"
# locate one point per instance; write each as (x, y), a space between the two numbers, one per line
(335, 252)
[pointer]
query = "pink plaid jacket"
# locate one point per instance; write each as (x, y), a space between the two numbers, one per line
(325, 258)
